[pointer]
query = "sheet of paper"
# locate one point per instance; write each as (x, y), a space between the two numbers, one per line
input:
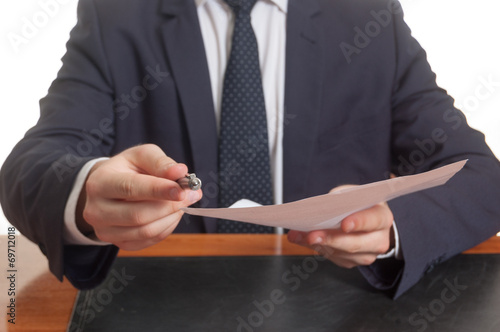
(327, 211)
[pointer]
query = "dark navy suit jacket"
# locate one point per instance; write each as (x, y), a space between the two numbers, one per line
(361, 102)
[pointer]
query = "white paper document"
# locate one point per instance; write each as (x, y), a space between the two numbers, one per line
(327, 211)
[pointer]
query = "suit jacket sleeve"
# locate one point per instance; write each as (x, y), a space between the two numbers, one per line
(428, 132)
(75, 126)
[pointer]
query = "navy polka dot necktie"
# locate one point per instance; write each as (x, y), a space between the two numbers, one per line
(244, 166)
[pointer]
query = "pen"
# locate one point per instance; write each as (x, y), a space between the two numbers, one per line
(190, 181)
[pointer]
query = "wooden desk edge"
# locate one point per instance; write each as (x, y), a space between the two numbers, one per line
(490, 246)
(249, 245)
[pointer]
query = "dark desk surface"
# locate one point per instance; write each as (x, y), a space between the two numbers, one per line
(44, 304)
(285, 293)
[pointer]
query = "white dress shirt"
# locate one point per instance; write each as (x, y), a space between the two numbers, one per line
(217, 23)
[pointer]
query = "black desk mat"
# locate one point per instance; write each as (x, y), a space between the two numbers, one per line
(285, 293)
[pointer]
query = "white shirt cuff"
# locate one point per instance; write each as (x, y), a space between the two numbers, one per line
(394, 252)
(71, 233)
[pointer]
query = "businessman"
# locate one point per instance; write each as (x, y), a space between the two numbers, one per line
(272, 100)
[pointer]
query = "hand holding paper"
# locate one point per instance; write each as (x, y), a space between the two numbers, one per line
(327, 211)
(364, 237)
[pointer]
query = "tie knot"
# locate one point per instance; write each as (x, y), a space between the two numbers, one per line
(241, 6)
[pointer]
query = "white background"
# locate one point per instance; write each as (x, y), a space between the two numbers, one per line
(461, 38)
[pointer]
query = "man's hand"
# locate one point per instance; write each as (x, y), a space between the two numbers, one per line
(132, 200)
(361, 238)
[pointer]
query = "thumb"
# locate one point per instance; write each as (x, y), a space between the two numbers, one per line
(151, 159)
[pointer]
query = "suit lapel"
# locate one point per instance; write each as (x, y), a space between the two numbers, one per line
(303, 85)
(186, 55)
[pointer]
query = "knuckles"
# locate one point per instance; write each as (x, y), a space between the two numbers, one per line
(134, 217)
(141, 151)
(130, 246)
(383, 248)
(368, 260)
(92, 187)
(346, 246)
(147, 232)
(346, 264)
(353, 249)
(103, 236)
(126, 186)
(91, 215)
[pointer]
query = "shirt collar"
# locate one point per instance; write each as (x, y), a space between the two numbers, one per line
(282, 4)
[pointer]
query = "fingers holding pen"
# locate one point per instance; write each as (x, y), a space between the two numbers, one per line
(133, 199)
(133, 187)
(135, 213)
(140, 236)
